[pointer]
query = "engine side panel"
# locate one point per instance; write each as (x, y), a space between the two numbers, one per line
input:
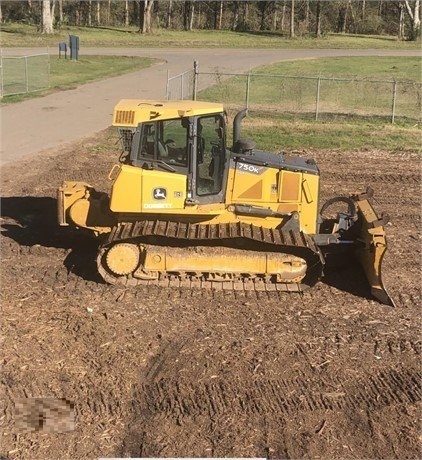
(281, 190)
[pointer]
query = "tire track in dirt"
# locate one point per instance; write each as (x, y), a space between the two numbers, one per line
(173, 398)
(370, 178)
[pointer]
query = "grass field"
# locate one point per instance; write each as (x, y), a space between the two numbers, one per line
(64, 73)
(24, 35)
(293, 88)
(277, 133)
(282, 111)
(375, 68)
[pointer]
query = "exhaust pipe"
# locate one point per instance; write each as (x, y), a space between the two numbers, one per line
(236, 124)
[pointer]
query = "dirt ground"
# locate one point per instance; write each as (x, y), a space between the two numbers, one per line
(155, 372)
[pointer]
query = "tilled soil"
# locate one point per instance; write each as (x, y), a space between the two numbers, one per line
(177, 372)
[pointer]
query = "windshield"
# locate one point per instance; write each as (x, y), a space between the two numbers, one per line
(165, 141)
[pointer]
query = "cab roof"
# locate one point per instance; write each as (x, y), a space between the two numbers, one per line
(131, 112)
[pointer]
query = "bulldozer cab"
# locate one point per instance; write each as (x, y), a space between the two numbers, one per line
(193, 146)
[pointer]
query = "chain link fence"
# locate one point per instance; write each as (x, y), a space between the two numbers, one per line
(314, 97)
(181, 86)
(24, 74)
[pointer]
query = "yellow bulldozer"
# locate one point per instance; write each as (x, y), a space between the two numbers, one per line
(186, 210)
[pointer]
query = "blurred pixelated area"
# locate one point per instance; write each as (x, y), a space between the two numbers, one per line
(49, 415)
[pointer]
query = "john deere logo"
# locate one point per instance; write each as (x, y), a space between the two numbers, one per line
(159, 193)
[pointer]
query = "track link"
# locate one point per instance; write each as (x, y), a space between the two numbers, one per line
(182, 234)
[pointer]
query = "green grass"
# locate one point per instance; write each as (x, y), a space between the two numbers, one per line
(66, 73)
(376, 67)
(270, 91)
(275, 133)
(282, 114)
(24, 35)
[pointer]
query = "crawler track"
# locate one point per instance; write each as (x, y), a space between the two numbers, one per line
(248, 236)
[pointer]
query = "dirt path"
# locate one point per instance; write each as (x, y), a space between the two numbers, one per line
(160, 372)
(50, 121)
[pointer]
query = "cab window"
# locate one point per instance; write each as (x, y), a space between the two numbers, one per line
(210, 155)
(164, 140)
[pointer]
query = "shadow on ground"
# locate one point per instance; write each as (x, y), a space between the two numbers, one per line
(31, 221)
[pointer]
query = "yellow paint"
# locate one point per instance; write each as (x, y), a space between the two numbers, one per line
(297, 191)
(253, 193)
(126, 191)
(290, 186)
(309, 204)
(371, 249)
(131, 112)
(288, 268)
(133, 191)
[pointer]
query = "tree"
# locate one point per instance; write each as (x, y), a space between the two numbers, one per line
(47, 17)
(235, 18)
(169, 14)
(292, 19)
(283, 16)
(414, 18)
(342, 16)
(318, 32)
(188, 15)
(98, 14)
(145, 8)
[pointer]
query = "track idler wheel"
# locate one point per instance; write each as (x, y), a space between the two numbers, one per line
(123, 258)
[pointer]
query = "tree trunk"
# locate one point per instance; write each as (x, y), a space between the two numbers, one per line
(191, 15)
(262, 11)
(90, 13)
(401, 21)
(292, 19)
(414, 18)
(145, 7)
(98, 14)
(169, 14)
(352, 14)
(196, 21)
(220, 15)
(1, 15)
(275, 17)
(283, 17)
(127, 13)
(235, 19)
(307, 15)
(318, 32)
(363, 10)
(46, 19)
(342, 18)
(188, 16)
(61, 11)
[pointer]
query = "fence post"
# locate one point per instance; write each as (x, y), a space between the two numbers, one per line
(393, 105)
(49, 68)
(26, 74)
(195, 79)
(248, 83)
(317, 99)
(181, 86)
(1, 75)
(168, 85)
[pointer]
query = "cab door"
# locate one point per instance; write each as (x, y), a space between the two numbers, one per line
(209, 160)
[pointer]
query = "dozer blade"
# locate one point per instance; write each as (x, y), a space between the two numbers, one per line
(371, 245)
